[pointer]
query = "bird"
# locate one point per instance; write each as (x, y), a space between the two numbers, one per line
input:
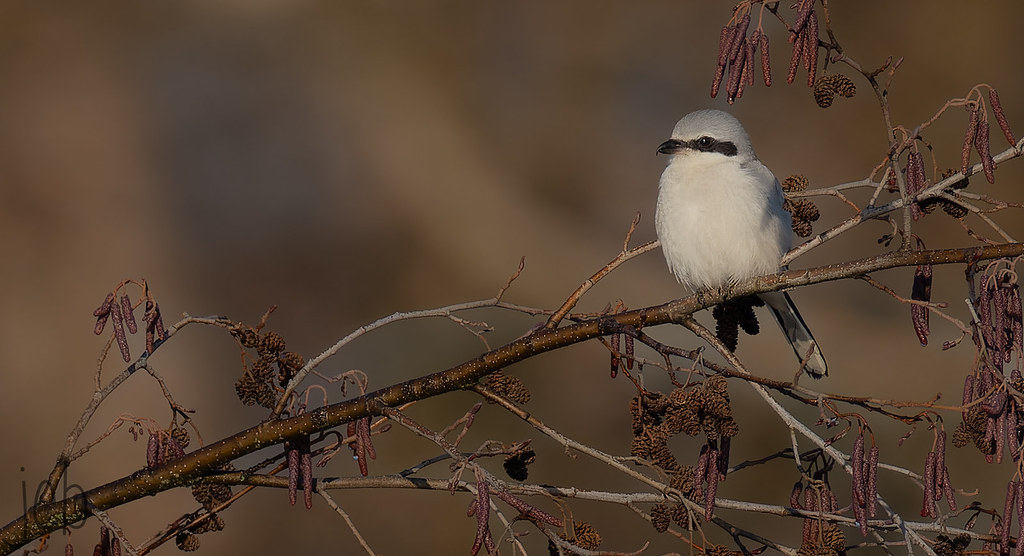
(720, 219)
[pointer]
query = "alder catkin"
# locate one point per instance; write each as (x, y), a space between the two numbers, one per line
(804, 10)
(794, 60)
(128, 314)
(811, 49)
(766, 66)
(981, 144)
(1007, 517)
(997, 111)
(972, 130)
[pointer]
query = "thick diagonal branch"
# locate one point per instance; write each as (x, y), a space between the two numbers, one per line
(45, 518)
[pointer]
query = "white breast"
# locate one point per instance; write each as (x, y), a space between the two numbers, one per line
(720, 221)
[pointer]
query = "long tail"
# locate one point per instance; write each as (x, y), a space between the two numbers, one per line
(797, 333)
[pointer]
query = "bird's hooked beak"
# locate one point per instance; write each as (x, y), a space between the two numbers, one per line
(672, 146)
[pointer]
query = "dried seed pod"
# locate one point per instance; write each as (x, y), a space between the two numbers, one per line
(860, 513)
(104, 307)
(796, 182)
(921, 291)
(997, 111)
(1000, 436)
(158, 328)
(1020, 522)
(306, 466)
(794, 495)
(723, 457)
(751, 50)
(1017, 324)
(857, 463)
(985, 310)
(294, 473)
(947, 488)
(364, 429)
(739, 38)
(716, 82)
(928, 508)
(766, 66)
(701, 469)
(794, 59)
(810, 531)
(872, 473)
(101, 322)
(916, 182)
(630, 351)
(1011, 428)
(824, 92)
(999, 324)
(747, 70)
(1007, 517)
(661, 518)
(526, 508)
(735, 82)
(152, 451)
(128, 314)
(712, 480)
(615, 355)
(172, 450)
(843, 85)
(982, 146)
(724, 40)
(119, 335)
(811, 49)
(803, 13)
(972, 131)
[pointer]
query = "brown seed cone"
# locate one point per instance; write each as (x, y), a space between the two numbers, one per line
(796, 182)
(661, 518)
(824, 92)
(843, 85)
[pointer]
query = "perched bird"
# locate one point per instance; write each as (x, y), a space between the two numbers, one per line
(720, 218)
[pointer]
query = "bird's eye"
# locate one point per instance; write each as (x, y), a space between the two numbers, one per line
(705, 142)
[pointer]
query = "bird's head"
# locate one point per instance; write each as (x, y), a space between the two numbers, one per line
(709, 133)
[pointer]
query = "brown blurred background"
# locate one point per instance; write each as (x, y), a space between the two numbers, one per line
(348, 160)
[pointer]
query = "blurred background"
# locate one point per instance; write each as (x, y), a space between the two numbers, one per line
(346, 160)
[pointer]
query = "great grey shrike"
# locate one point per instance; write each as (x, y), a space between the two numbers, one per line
(720, 218)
